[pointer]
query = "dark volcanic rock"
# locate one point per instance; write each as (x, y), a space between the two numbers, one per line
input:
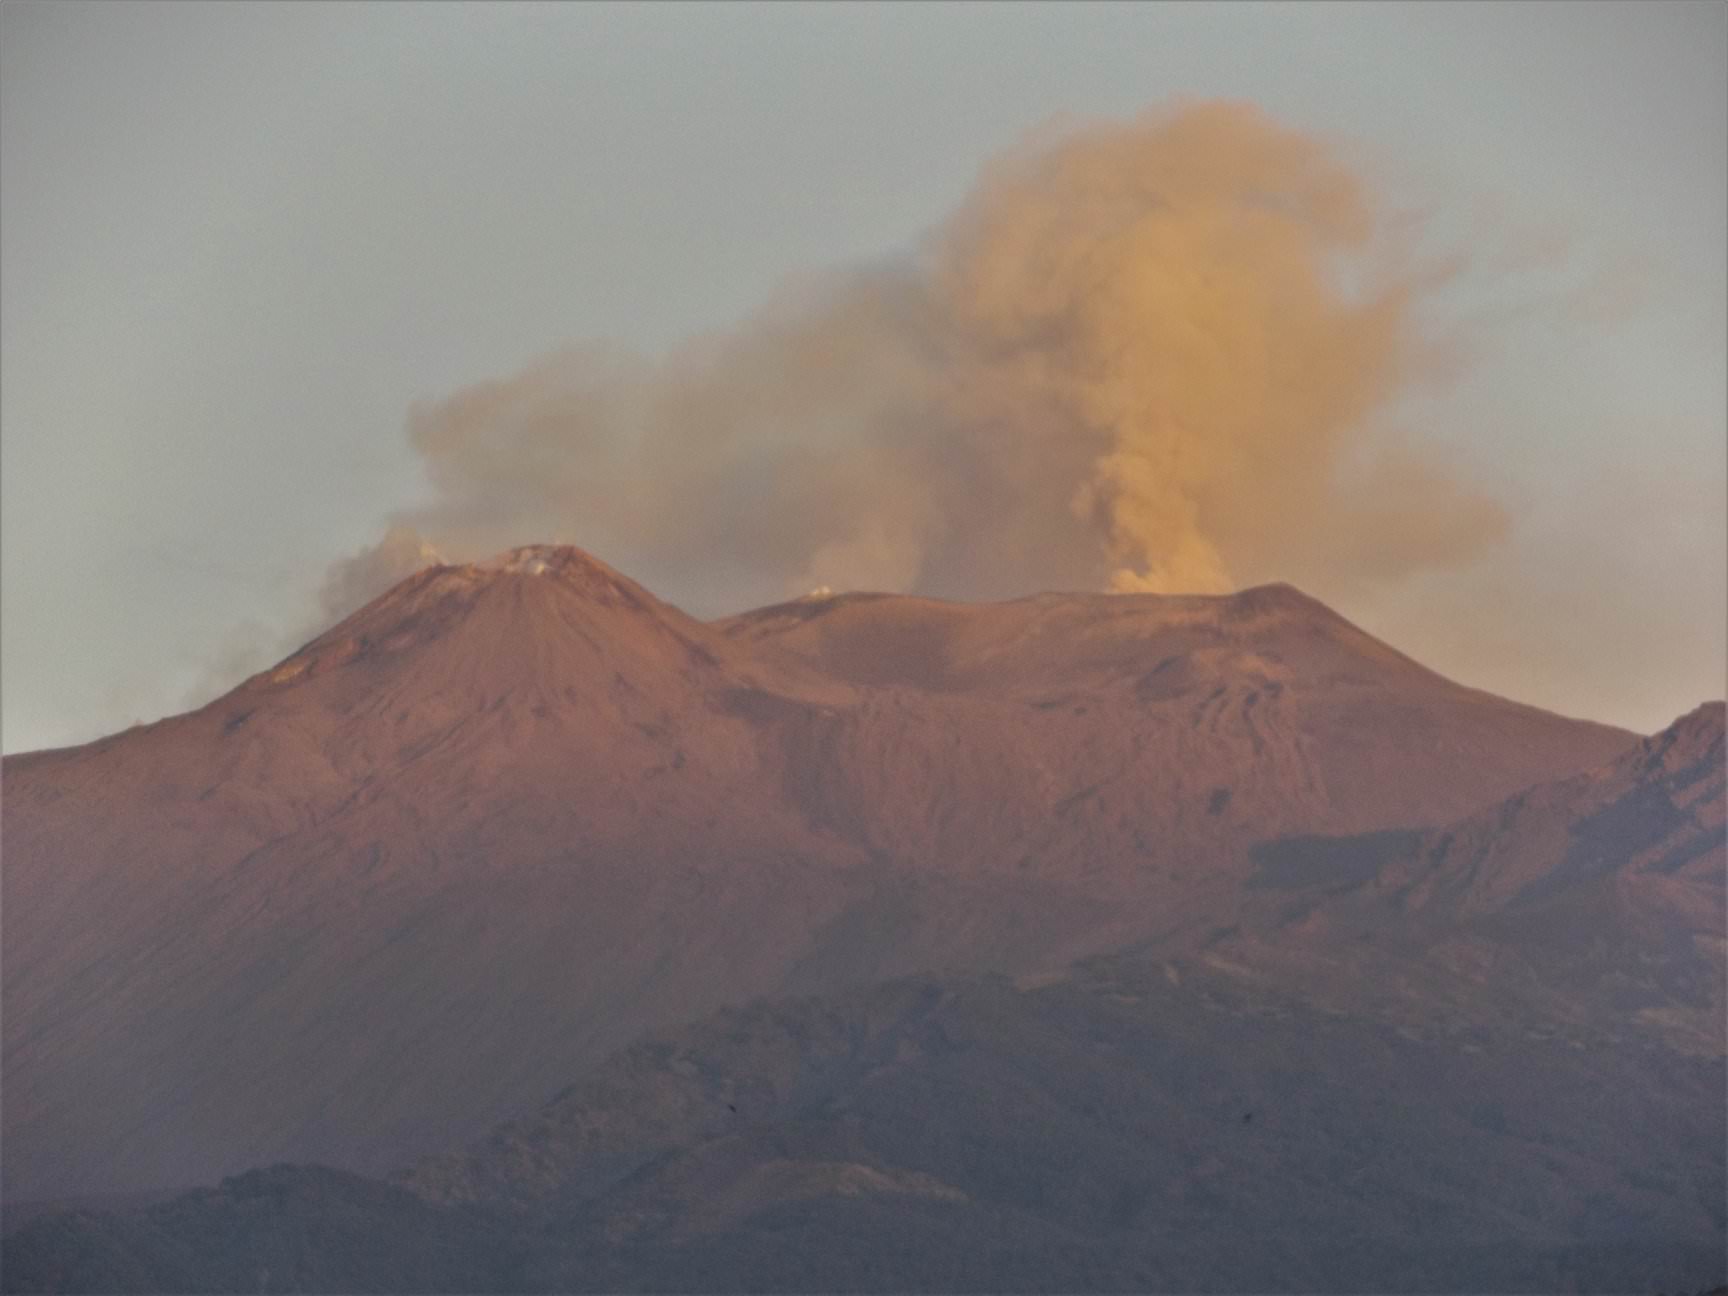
(1127, 1126)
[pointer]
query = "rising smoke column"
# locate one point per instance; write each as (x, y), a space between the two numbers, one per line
(1151, 355)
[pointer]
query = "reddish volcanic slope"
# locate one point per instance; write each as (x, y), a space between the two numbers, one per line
(413, 879)
(1596, 900)
(1127, 732)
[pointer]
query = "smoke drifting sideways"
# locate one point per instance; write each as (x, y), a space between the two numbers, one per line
(1154, 355)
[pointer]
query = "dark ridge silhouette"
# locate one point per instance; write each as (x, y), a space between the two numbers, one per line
(1130, 1125)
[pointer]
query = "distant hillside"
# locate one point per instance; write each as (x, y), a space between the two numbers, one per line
(1131, 1125)
(1600, 899)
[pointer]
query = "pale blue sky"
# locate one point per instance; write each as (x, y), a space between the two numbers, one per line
(238, 241)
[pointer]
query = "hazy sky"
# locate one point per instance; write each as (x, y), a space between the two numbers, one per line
(238, 242)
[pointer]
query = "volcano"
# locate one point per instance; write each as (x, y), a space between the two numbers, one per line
(407, 883)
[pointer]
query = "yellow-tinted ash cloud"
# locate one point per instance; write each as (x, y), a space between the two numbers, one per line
(1157, 354)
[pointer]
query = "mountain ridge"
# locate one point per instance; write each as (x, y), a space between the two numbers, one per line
(528, 800)
(1114, 1128)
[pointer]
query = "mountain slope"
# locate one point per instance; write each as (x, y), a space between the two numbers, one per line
(1123, 1126)
(1601, 898)
(526, 801)
(1188, 721)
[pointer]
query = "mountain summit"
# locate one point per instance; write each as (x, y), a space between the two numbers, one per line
(503, 818)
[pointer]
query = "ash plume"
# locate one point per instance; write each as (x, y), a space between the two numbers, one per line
(1161, 354)
(350, 582)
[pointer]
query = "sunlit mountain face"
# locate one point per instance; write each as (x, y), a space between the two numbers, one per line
(543, 937)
